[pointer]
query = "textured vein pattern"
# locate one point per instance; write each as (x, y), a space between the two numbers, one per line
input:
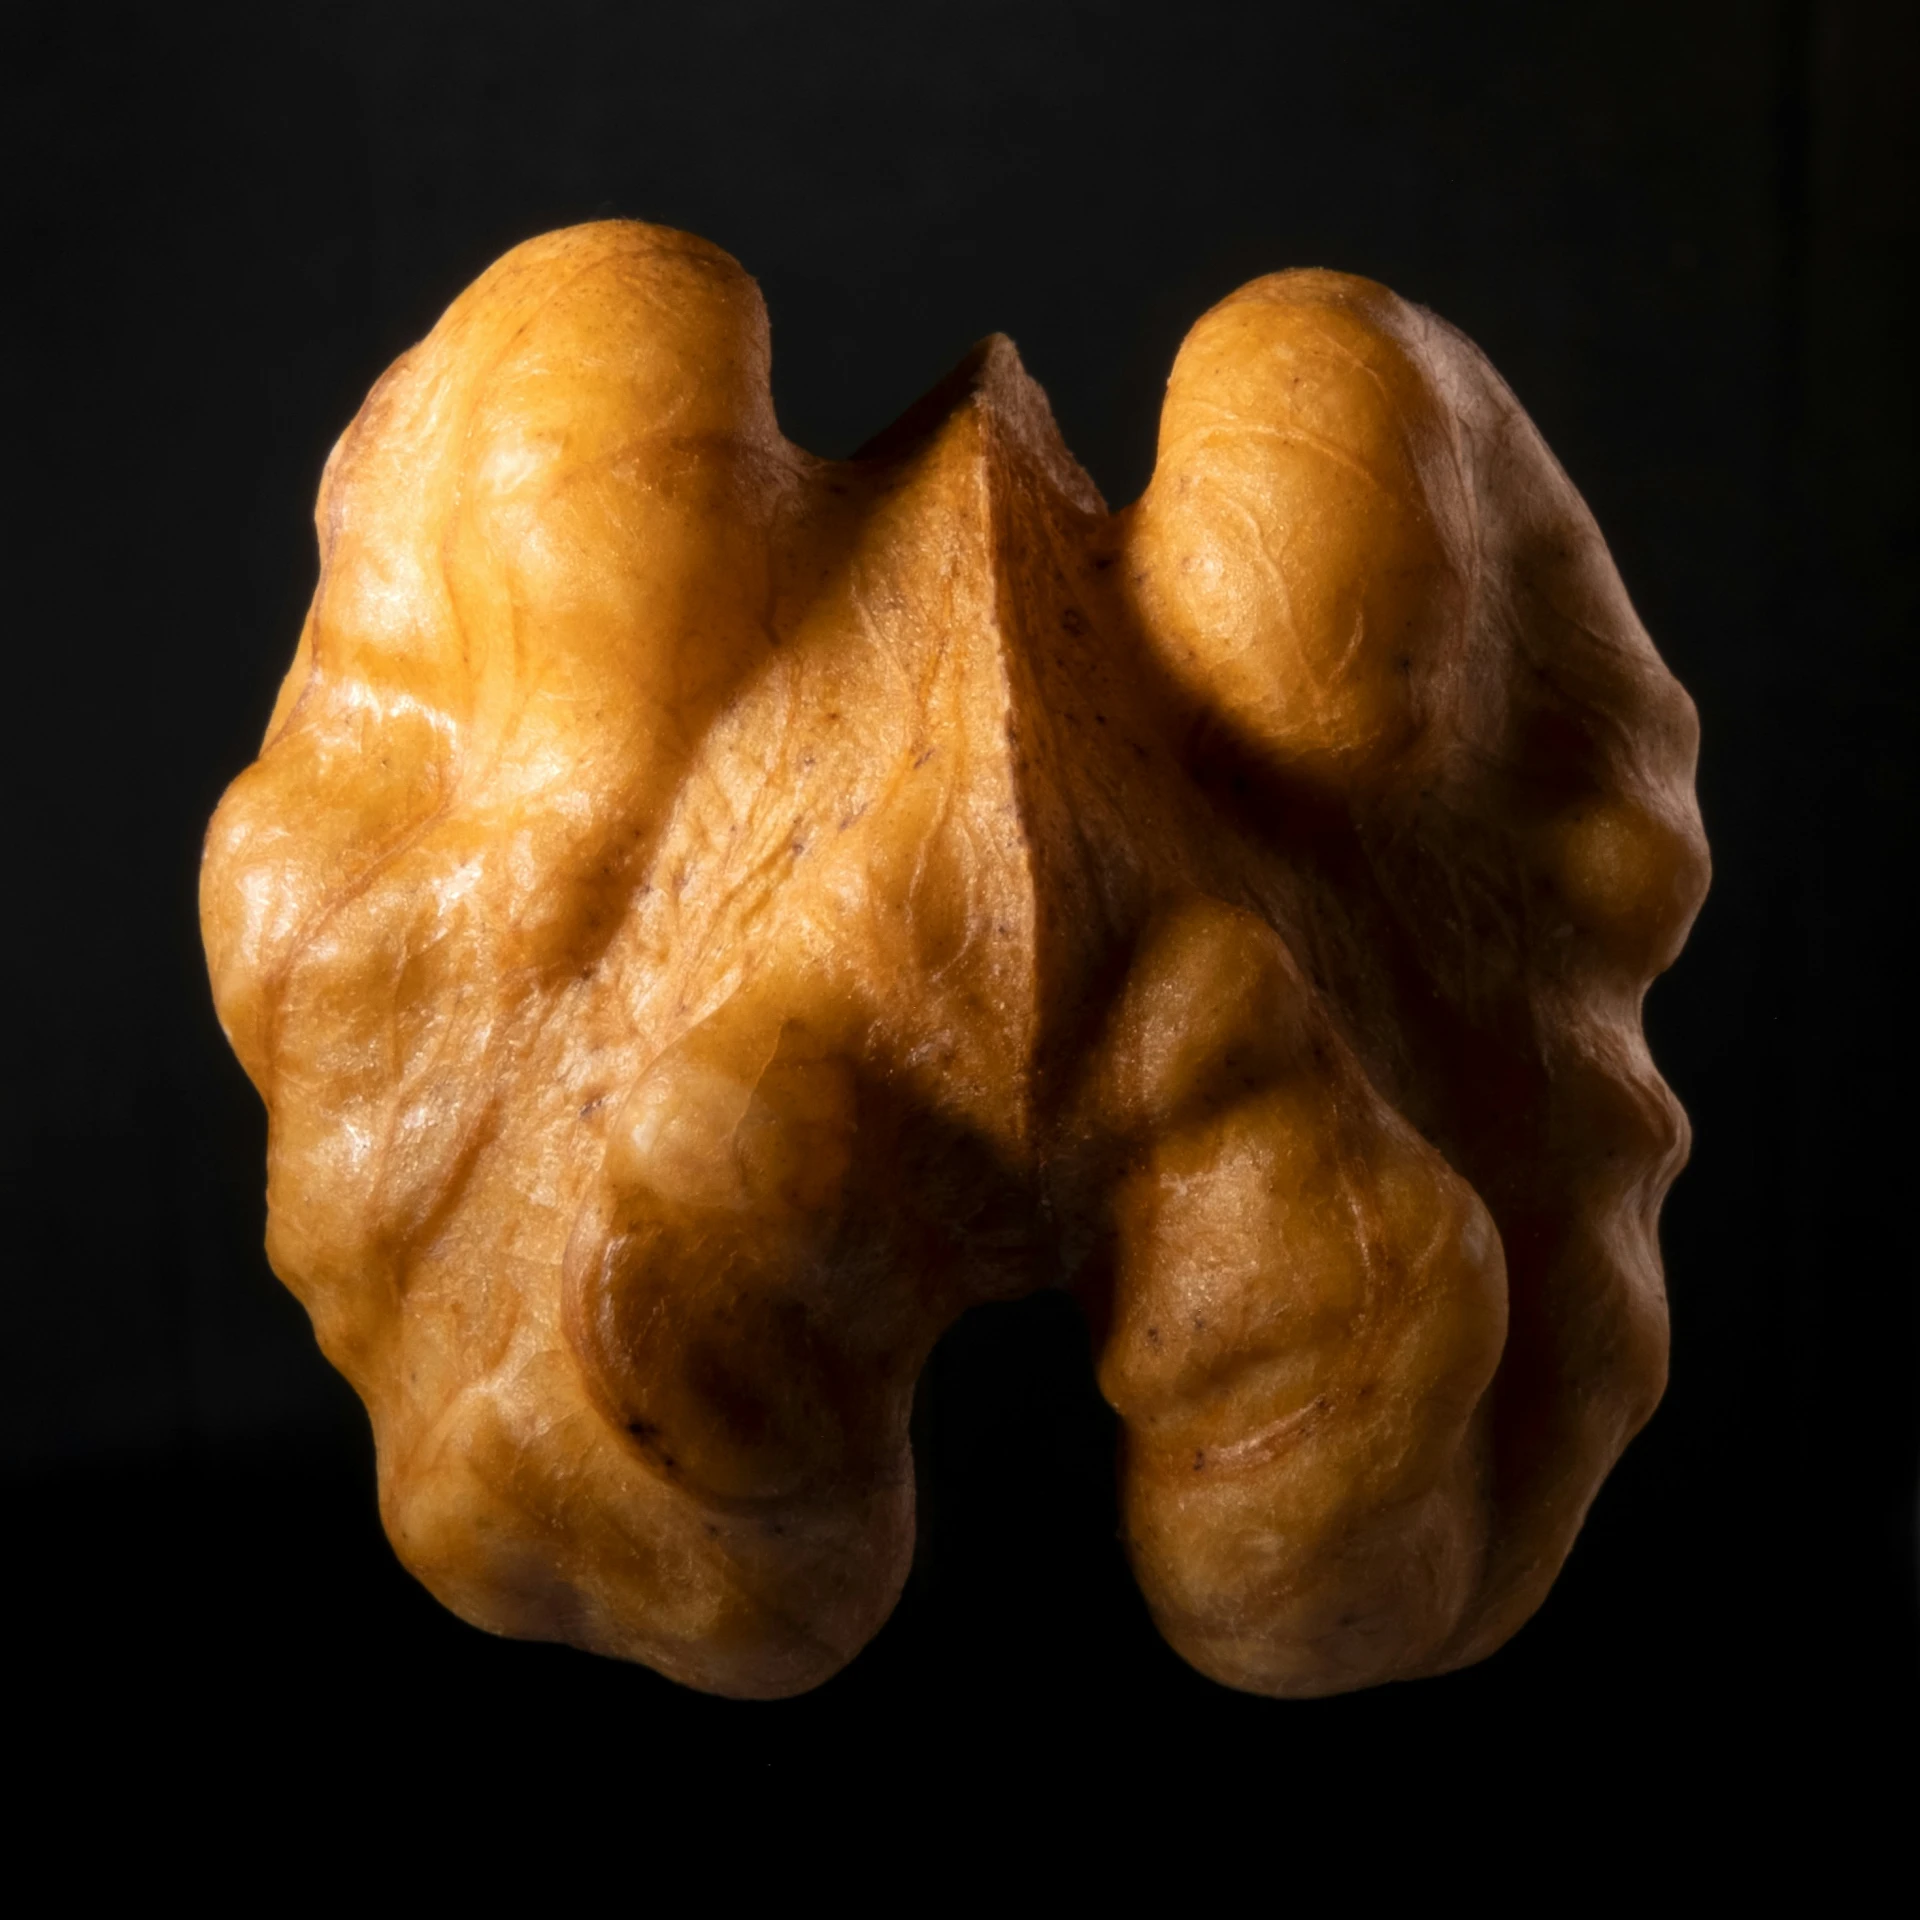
(704, 916)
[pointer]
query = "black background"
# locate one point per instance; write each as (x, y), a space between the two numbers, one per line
(1684, 232)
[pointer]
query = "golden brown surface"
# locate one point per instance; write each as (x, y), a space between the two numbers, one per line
(705, 916)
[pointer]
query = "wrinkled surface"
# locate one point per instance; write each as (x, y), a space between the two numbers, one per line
(704, 916)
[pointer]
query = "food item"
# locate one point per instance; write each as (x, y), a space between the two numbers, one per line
(705, 916)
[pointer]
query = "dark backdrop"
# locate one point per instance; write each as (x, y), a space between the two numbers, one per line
(1684, 231)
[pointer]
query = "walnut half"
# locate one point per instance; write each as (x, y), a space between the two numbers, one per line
(704, 916)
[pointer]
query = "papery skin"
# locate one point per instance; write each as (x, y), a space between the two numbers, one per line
(704, 916)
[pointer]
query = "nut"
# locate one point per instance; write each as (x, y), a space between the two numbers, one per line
(705, 916)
